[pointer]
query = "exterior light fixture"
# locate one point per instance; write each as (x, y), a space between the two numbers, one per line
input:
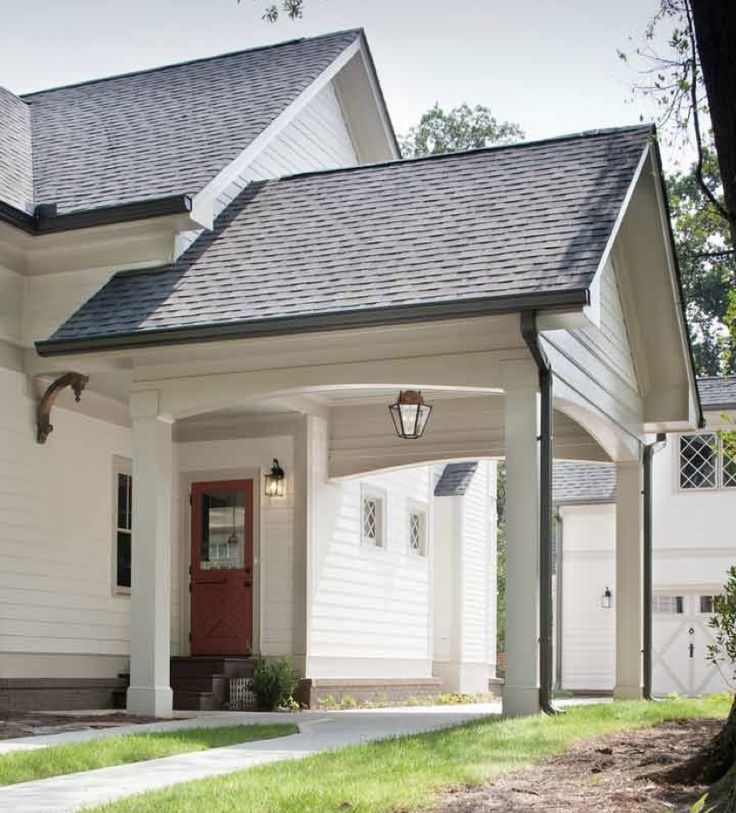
(607, 599)
(274, 481)
(410, 414)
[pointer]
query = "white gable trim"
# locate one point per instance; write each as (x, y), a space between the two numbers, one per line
(204, 200)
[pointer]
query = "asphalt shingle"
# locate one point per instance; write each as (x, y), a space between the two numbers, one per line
(574, 483)
(165, 131)
(455, 479)
(532, 218)
(16, 168)
(718, 393)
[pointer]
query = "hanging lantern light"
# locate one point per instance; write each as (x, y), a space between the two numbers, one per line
(410, 414)
(607, 599)
(274, 481)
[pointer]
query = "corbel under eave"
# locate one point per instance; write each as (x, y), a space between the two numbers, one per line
(77, 381)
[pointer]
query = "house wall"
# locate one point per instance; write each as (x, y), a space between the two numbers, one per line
(464, 576)
(690, 558)
(59, 614)
(369, 610)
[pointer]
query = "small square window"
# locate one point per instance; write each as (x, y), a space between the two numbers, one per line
(706, 605)
(373, 519)
(418, 532)
(698, 461)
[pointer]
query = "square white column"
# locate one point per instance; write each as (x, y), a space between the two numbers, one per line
(522, 423)
(629, 569)
(150, 594)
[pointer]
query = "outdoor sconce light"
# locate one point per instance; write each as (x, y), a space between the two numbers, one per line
(274, 481)
(607, 599)
(410, 414)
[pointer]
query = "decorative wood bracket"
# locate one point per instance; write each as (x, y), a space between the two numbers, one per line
(76, 381)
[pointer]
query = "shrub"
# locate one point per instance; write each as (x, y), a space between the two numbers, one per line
(273, 682)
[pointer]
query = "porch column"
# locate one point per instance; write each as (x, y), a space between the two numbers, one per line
(522, 422)
(628, 598)
(150, 693)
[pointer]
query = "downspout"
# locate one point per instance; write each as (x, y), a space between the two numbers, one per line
(649, 451)
(546, 651)
(560, 530)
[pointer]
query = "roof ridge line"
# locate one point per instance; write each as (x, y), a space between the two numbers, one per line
(195, 61)
(475, 151)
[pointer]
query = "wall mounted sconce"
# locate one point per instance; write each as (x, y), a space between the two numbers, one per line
(273, 482)
(410, 414)
(607, 599)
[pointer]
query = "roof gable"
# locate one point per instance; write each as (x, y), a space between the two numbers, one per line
(165, 131)
(532, 219)
(455, 479)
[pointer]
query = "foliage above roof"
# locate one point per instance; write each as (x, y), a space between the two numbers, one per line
(500, 223)
(164, 131)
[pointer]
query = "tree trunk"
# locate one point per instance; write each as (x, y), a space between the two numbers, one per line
(715, 35)
(714, 762)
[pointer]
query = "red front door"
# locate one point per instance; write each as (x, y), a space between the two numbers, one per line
(222, 568)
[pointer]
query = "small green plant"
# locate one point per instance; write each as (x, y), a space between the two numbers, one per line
(274, 681)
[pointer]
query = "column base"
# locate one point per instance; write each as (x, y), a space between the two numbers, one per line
(520, 701)
(149, 701)
(628, 693)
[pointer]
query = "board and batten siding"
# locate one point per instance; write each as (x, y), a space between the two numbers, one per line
(370, 607)
(59, 614)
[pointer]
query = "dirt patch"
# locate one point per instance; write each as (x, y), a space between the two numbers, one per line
(608, 774)
(28, 724)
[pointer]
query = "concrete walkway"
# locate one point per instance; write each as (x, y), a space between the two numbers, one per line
(318, 731)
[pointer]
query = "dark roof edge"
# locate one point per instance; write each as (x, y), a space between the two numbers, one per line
(718, 406)
(445, 156)
(343, 320)
(42, 223)
(584, 501)
(28, 96)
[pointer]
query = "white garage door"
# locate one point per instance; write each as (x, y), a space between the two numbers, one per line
(680, 636)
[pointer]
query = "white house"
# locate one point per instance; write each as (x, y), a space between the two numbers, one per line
(227, 263)
(693, 515)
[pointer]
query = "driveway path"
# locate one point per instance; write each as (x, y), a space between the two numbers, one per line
(318, 731)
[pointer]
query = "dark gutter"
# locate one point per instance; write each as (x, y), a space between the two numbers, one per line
(725, 405)
(647, 570)
(341, 320)
(46, 221)
(546, 608)
(17, 217)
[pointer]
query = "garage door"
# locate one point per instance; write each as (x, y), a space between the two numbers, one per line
(680, 636)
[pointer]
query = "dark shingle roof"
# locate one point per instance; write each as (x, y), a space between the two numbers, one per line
(718, 393)
(528, 219)
(455, 479)
(165, 131)
(16, 170)
(574, 483)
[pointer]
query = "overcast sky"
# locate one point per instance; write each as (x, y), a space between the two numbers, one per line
(549, 65)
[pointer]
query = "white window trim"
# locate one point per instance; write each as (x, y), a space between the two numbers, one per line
(421, 508)
(120, 465)
(380, 495)
(718, 488)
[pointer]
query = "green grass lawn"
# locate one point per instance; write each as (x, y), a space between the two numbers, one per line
(407, 773)
(24, 766)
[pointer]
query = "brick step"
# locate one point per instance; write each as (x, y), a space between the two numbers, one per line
(196, 701)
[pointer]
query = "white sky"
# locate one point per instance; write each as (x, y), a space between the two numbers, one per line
(550, 65)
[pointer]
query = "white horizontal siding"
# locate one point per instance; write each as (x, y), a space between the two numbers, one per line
(56, 545)
(369, 604)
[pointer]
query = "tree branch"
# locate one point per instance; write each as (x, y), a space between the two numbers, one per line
(696, 119)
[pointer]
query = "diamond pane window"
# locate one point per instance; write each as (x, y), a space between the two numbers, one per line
(372, 520)
(728, 458)
(698, 459)
(417, 532)
(370, 525)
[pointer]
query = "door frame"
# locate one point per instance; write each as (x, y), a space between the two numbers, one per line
(183, 543)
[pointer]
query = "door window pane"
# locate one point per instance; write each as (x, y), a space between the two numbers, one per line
(222, 541)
